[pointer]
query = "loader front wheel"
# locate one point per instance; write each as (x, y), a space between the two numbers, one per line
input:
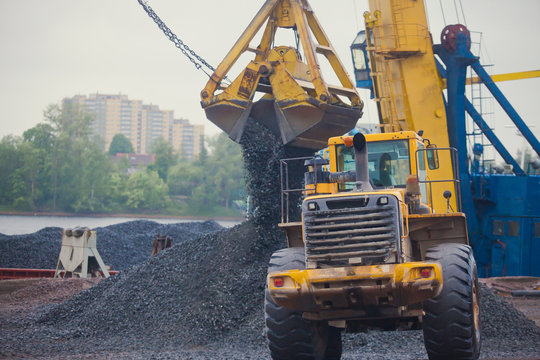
(452, 319)
(289, 335)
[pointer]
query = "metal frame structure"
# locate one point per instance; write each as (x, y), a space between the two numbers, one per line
(503, 210)
(298, 105)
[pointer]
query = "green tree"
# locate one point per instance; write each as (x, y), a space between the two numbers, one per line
(164, 158)
(10, 160)
(122, 165)
(214, 178)
(120, 144)
(226, 169)
(25, 189)
(37, 146)
(80, 170)
(184, 177)
(146, 190)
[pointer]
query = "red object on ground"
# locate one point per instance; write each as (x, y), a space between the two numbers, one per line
(8, 273)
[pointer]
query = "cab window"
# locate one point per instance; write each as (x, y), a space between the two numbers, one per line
(388, 161)
(345, 162)
(422, 175)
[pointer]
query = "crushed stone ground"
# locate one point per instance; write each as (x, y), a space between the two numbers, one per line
(202, 299)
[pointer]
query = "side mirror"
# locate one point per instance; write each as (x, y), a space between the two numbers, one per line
(432, 156)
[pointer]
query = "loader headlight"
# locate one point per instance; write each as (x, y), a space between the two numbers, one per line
(383, 200)
(312, 206)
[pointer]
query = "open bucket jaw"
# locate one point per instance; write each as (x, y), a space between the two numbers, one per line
(297, 105)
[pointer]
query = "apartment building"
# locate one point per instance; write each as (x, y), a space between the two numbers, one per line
(142, 124)
(187, 139)
(154, 124)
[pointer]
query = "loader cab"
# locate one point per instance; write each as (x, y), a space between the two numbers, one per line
(391, 159)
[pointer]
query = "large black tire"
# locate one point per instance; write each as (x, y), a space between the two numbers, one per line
(452, 319)
(289, 335)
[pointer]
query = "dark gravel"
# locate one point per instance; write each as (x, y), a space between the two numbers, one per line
(262, 153)
(200, 293)
(197, 290)
(120, 246)
(202, 299)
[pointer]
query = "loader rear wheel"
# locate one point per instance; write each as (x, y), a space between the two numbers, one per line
(452, 319)
(289, 335)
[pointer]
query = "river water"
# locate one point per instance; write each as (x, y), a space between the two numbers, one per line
(15, 224)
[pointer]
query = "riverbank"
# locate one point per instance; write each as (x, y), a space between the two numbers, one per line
(125, 215)
(26, 223)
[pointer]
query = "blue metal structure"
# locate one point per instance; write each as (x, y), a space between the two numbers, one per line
(503, 210)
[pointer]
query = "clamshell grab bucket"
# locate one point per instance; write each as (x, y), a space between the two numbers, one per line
(297, 124)
(298, 106)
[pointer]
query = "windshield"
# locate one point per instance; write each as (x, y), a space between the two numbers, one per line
(389, 163)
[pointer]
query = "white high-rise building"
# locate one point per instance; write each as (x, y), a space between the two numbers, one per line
(141, 124)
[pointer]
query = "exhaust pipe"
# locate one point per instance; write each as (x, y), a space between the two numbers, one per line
(361, 163)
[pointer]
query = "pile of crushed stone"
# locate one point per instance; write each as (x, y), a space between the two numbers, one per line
(199, 293)
(207, 293)
(120, 245)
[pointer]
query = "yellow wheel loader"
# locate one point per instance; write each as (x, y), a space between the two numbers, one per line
(370, 253)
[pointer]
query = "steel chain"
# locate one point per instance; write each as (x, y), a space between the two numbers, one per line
(190, 54)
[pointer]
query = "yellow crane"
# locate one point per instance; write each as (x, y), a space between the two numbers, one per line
(406, 84)
(407, 87)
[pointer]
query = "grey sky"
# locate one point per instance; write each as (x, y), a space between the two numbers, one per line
(57, 48)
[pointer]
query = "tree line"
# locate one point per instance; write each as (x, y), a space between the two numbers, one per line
(58, 165)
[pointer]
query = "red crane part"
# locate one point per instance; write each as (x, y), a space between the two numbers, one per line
(449, 35)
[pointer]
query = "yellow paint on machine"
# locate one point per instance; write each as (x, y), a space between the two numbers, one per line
(407, 85)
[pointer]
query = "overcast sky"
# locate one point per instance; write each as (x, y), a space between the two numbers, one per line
(53, 49)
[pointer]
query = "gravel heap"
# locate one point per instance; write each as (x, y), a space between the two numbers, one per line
(39, 291)
(207, 294)
(505, 329)
(120, 246)
(197, 291)
(201, 289)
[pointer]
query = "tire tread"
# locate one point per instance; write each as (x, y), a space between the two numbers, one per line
(289, 335)
(449, 319)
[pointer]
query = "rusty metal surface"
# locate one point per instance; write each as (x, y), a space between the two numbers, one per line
(160, 243)
(433, 229)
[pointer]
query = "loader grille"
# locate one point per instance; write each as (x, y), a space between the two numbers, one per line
(351, 231)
